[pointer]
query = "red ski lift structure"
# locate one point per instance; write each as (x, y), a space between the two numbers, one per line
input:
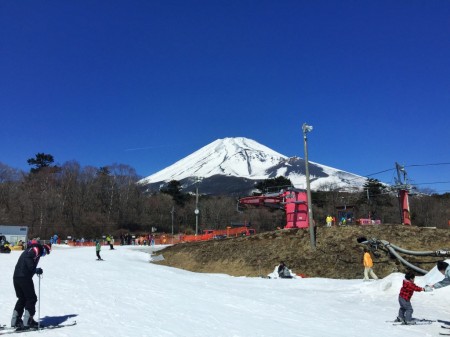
(403, 191)
(293, 201)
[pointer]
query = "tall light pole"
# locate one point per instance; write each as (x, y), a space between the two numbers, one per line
(196, 208)
(172, 212)
(308, 128)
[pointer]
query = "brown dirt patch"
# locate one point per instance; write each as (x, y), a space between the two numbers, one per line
(337, 253)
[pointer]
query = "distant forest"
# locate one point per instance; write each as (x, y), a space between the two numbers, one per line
(90, 202)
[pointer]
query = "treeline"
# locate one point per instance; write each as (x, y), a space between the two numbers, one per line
(90, 202)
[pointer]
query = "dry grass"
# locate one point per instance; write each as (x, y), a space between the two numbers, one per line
(337, 253)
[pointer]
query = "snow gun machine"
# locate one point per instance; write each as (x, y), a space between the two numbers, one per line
(374, 245)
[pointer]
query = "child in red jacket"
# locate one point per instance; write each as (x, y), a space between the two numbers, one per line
(404, 298)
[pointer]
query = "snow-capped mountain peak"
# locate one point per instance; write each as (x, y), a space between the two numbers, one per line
(233, 165)
(238, 157)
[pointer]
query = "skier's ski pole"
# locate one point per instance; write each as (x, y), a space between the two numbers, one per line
(39, 303)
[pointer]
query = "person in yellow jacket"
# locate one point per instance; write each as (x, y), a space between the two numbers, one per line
(368, 264)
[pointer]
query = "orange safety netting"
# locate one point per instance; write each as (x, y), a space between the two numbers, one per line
(166, 239)
(210, 234)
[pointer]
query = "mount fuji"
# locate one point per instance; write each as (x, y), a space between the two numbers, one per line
(232, 166)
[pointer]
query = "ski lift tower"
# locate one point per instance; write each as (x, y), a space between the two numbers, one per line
(403, 190)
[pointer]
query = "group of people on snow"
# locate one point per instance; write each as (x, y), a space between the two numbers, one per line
(408, 286)
(27, 266)
(407, 290)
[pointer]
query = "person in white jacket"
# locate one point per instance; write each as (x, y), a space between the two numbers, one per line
(444, 268)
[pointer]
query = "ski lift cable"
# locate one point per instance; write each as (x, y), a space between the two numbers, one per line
(393, 169)
(436, 182)
(433, 164)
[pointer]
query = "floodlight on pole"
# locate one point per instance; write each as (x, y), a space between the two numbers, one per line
(308, 128)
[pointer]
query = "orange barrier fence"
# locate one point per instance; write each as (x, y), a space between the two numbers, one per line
(82, 244)
(368, 222)
(211, 234)
(166, 239)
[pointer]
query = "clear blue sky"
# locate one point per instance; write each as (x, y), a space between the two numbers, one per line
(146, 83)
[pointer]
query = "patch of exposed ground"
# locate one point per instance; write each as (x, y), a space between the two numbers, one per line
(337, 253)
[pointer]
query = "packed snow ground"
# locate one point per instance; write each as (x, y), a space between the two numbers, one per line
(127, 296)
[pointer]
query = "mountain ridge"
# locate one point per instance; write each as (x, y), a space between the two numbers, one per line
(230, 162)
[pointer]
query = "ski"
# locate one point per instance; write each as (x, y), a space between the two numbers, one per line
(445, 326)
(414, 319)
(444, 334)
(416, 322)
(46, 327)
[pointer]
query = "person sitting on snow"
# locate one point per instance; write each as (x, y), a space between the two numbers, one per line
(283, 271)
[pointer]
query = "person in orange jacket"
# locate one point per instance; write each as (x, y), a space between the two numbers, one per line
(368, 264)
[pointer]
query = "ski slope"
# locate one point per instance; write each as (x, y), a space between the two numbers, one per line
(127, 296)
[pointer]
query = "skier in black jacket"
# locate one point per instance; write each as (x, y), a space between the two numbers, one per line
(25, 269)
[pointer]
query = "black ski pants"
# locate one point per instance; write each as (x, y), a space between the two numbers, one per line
(26, 295)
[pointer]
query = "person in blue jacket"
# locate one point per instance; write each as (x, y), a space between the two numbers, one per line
(24, 271)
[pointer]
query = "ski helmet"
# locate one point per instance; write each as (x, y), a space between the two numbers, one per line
(46, 249)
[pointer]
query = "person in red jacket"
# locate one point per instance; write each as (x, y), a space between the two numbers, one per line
(404, 298)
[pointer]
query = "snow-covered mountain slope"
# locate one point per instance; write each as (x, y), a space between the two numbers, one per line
(239, 157)
(247, 159)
